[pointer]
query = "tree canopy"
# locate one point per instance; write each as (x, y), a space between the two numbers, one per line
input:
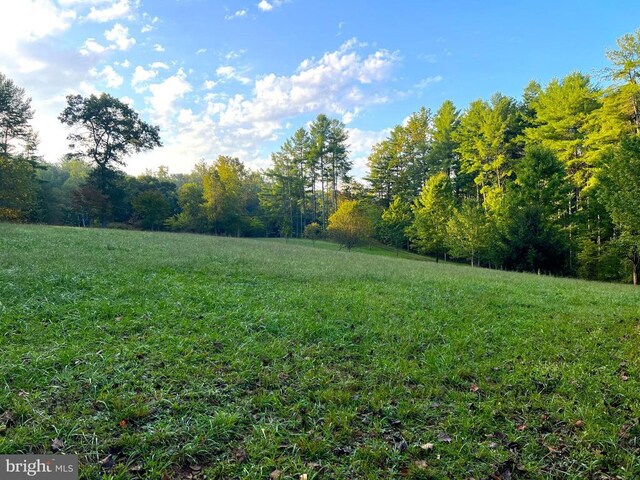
(15, 114)
(105, 130)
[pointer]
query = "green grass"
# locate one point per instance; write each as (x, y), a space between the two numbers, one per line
(373, 248)
(183, 356)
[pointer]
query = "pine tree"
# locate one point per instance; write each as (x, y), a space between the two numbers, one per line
(432, 210)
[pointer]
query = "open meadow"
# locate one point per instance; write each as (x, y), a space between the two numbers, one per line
(155, 355)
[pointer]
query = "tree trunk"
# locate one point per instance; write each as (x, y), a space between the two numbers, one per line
(634, 257)
(636, 114)
(103, 190)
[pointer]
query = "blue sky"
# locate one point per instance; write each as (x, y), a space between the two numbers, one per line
(238, 77)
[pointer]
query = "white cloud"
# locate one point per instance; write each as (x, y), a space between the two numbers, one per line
(124, 64)
(158, 48)
(201, 51)
(141, 76)
(36, 55)
(81, 2)
(341, 83)
(237, 14)
(91, 46)
(146, 28)
(362, 141)
(329, 84)
(31, 20)
(349, 116)
(112, 12)
(225, 71)
(165, 94)
(119, 36)
(111, 77)
(267, 6)
(159, 65)
(233, 54)
(426, 82)
(30, 65)
(228, 72)
(87, 89)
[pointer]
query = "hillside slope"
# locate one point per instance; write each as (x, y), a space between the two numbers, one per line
(152, 354)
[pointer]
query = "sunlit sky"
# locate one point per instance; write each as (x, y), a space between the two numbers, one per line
(238, 77)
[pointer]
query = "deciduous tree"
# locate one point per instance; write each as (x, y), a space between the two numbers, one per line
(106, 130)
(350, 225)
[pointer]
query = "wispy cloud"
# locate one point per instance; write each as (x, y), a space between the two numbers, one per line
(238, 14)
(427, 82)
(115, 11)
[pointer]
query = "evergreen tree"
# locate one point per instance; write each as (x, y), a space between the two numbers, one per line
(394, 222)
(469, 232)
(489, 143)
(432, 210)
(533, 214)
(563, 110)
(15, 115)
(620, 193)
(443, 156)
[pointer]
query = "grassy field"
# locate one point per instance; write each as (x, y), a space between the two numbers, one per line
(374, 248)
(180, 356)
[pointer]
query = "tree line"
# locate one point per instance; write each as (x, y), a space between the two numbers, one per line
(546, 183)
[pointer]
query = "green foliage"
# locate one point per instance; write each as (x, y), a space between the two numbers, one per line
(192, 217)
(152, 208)
(18, 188)
(602, 261)
(15, 115)
(443, 156)
(620, 193)
(469, 233)
(563, 110)
(105, 131)
(88, 203)
(313, 231)
(227, 192)
(532, 218)
(304, 183)
(394, 222)
(57, 183)
(626, 70)
(350, 225)
(432, 211)
(488, 143)
(399, 164)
